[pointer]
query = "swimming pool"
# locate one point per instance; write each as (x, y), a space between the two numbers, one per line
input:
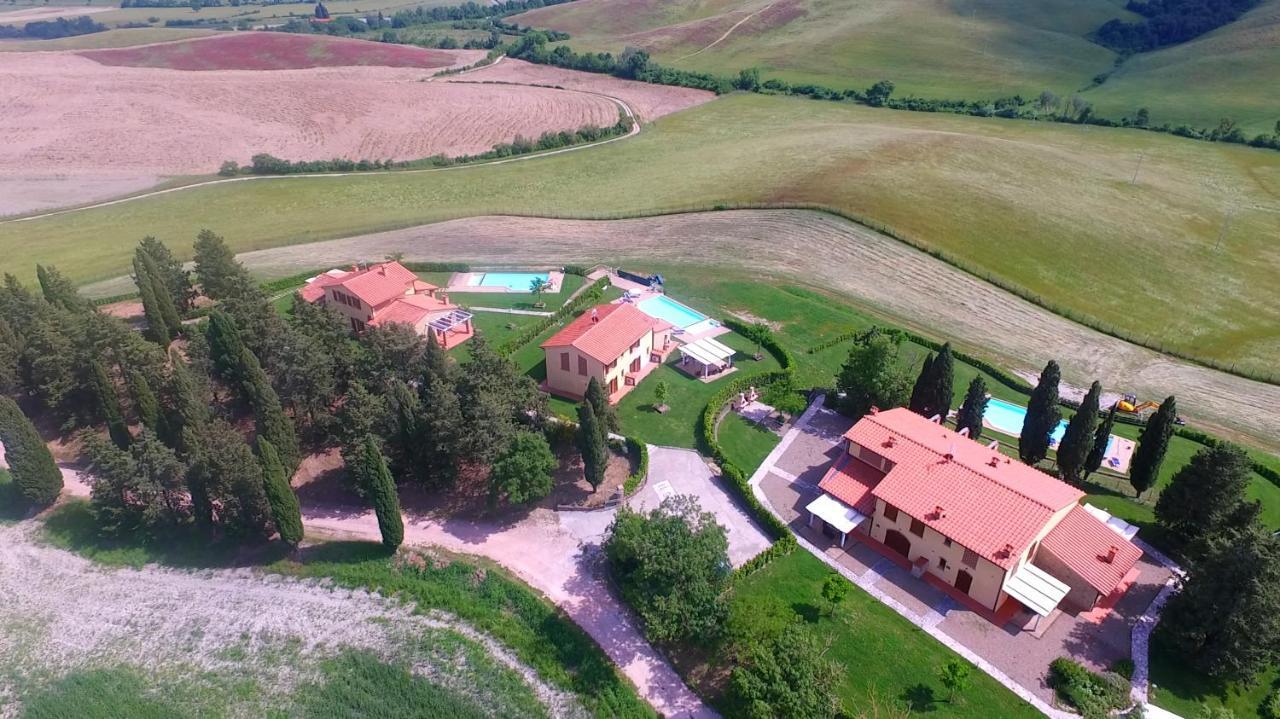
(1008, 418)
(514, 281)
(665, 308)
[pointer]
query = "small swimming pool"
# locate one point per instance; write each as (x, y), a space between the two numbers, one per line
(665, 308)
(514, 281)
(1008, 418)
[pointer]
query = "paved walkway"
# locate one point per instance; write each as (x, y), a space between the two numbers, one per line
(512, 311)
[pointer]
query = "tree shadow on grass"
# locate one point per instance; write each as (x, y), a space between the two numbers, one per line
(809, 613)
(343, 552)
(920, 698)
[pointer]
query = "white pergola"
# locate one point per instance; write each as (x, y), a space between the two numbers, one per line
(840, 516)
(708, 353)
(1035, 589)
(447, 322)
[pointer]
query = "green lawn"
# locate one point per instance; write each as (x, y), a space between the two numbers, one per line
(745, 443)
(1182, 691)
(1046, 208)
(884, 655)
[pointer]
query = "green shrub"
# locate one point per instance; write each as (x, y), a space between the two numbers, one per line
(1124, 667)
(1271, 705)
(639, 453)
(1093, 695)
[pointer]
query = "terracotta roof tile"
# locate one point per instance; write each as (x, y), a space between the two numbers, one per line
(851, 480)
(990, 504)
(614, 329)
(410, 309)
(1083, 543)
(380, 283)
(316, 287)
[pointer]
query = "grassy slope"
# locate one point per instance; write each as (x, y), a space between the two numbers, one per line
(100, 40)
(256, 14)
(1221, 74)
(1047, 207)
(952, 49)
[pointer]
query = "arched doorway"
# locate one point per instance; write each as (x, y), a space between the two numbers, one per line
(964, 581)
(894, 540)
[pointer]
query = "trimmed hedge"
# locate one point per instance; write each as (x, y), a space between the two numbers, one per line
(1094, 695)
(438, 266)
(639, 453)
(100, 301)
(768, 341)
(593, 294)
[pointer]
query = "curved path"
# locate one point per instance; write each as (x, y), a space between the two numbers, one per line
(728, 32)
(828, 254)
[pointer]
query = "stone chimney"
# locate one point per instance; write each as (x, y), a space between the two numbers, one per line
(1111, 554)
(595, 315)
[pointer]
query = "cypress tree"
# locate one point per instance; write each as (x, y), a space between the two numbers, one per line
(225, 474)
(943, 376)
(605, 414)
(226, 348)
(1101, 440)
(189, 410)
(974, 407)
(920, 390)
(1152, 445)
(381, 490)
(221, 276)
(10, 352)
(285, 511)
(109, 405)
(58, 290)
(1076, 442)
(157, 328)
(35, 475)
(175, 279)
(144, 400)
(595, 453)
(1042, 417)
(164, 300)
(269, 417)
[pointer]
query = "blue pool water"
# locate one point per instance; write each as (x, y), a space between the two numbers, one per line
(515, 281)
(665, 308)
(1008, 418)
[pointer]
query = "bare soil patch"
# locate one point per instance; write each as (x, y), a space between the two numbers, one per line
(101, 130)
(572, 488)
(271, 51)
(648, 101)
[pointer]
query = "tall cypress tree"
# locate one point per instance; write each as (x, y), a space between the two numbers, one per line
(595, 453)
(1076, 442)
(269, 417)
(226, 348)
(170, 272)
(168, 311)
(974, 407)
(285, 511)
(607, 417)
(157, 328)
(942, 377)
(188, 407)
(1144, 469)
(374, 475)
(920, 390)
(1101, 440)
(1042, 417)
(109, 405)
(58, 290)
(35, 474)
(144, 400)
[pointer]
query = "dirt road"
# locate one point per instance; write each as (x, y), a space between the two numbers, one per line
(830, 254)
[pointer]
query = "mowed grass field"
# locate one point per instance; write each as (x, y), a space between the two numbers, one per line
(256, 14)
(960, 49)
(1047, 208)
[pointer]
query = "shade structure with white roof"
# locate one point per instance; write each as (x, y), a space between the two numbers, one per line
(1035, 589)
(1117, 525)
(840, 516)
(712, 355)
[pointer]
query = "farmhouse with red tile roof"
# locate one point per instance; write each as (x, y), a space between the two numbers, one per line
(616, 343)
(992, 528)
(389, 293)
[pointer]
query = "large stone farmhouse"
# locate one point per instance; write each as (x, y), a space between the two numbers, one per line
(615, 343)
(989, 527)
(389, 293)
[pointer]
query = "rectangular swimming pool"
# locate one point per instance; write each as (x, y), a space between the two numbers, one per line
(665, 308)
(1008, 418)
(514, 281)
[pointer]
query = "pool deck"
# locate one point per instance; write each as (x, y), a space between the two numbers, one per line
(1119, 451)
(461, 282)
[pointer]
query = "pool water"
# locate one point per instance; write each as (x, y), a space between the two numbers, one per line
(665, 308)
(1008, 418)
(516, 281)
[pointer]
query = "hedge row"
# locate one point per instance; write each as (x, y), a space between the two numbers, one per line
(767, 341)
(437, 266)
(639, 453)
(528, 334)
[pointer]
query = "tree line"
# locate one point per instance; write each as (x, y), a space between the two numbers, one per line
(1169, 22)
(52, 29)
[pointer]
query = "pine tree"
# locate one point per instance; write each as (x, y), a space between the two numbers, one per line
(166, 308)
(1144, 468)
(221, 276)
(595, 453)
(871, 376)
(109, 405)
(285, 511)
(225, 474)
(1073, 449)
(974, 407)
(374, 475)
(269, 417)
(1101, 441)
(35, 475)
(157, 328)
(942, 379)
(600, 404)
(144, 400)
(1043, 416)
(58, 290)
(920, 390)
(1205, 496)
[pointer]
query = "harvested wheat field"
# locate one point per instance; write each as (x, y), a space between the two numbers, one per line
(648, 101)
(275, 51)
(94, 131)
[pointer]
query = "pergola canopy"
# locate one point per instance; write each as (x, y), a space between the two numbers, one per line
(708, 352)
(1035, 589)
(444, 323)
(836, 513)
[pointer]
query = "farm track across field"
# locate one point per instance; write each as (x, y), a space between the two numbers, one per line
(826, 253)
